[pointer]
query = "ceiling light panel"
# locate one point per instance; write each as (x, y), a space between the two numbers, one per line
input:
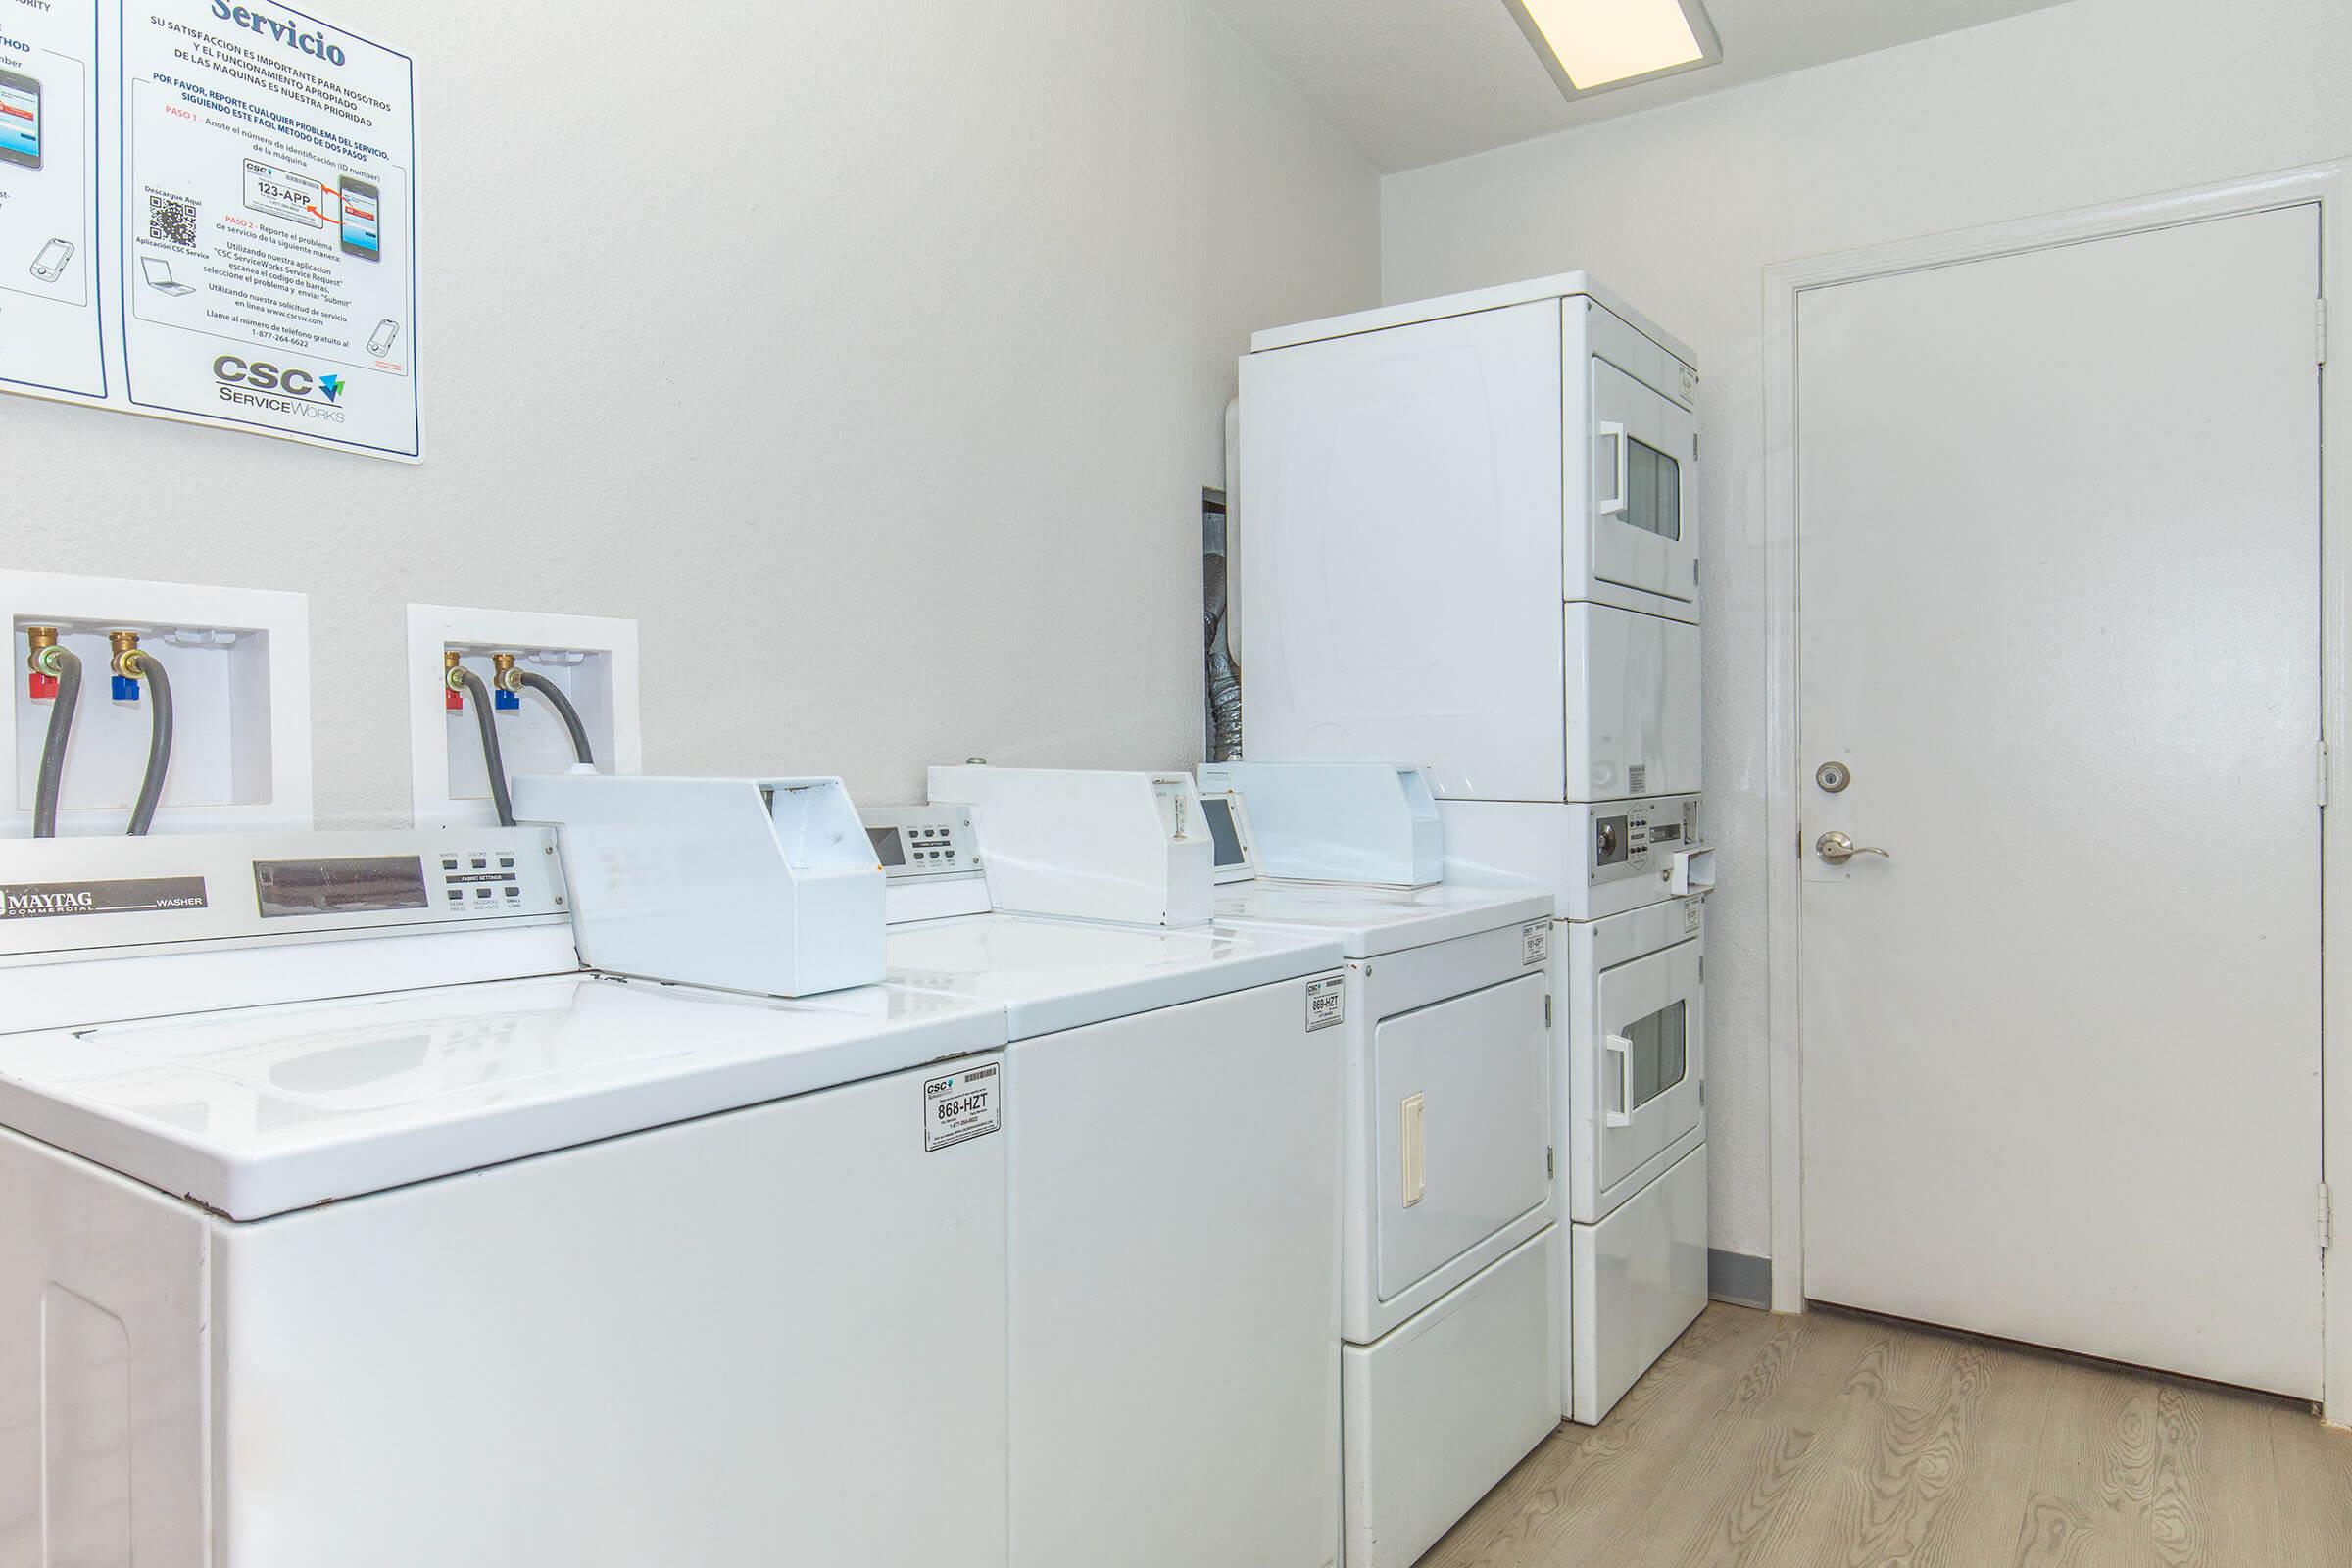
(1591, 44)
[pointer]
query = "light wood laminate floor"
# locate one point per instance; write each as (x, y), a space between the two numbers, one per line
(1833, 1441)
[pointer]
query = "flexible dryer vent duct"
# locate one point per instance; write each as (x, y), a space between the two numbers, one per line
(1223, 672)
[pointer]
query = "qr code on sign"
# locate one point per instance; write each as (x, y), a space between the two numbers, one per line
(172, 220)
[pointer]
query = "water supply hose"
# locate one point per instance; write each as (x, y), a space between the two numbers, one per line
(494, 760)
(66, 665)
(564, 708)
(147, 667)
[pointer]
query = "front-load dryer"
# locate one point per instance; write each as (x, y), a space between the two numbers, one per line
(1451, 1262)
(1634, 1103)
(1433, 489)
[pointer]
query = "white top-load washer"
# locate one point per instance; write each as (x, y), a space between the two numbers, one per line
(1451, 1262)
(1172, 1095)
(351, 1223)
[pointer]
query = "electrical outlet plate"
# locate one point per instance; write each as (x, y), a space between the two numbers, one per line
(239, 660)
(591, 657)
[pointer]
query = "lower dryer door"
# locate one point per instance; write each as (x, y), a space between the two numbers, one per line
(1643, 1060)
(1461, 1096)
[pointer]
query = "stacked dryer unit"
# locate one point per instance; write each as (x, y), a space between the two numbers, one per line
(1465, 538)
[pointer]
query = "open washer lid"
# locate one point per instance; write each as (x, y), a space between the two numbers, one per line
(1368, 921)
(261, 1111)
(1050, 976)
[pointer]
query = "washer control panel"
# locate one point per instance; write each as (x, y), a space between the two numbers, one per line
(919, 841)
(501, 878)
(1632, 838)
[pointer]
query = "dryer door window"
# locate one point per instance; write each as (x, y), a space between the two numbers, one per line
(1658, 1058)
(1644, 451)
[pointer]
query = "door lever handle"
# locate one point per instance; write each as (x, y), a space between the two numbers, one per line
(1839, 848)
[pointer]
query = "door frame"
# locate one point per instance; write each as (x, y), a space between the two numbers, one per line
(2328, 186)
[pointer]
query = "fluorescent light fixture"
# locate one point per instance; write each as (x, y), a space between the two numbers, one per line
(1591, 44)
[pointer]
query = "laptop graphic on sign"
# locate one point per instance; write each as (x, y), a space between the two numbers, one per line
(159, 277)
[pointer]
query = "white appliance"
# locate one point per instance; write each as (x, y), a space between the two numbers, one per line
(1634, 1103)
(1232, 838)
(753, 884)
(1174, 1098)
(1452, 1266)
(1600, 858)
(1463, 515)
(1339, 822)
(350, 1223)
(1100, 845)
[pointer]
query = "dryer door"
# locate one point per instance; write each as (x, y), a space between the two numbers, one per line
(1648, 1059)
(1460, 1091)
(1645, 458)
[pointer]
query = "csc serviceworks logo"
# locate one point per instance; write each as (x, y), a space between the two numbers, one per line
(279, 388)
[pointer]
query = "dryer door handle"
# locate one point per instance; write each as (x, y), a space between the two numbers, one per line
(1622, 1115)
(1613, 432)
(1414, 1149)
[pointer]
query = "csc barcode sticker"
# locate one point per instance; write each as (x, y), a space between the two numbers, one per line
(1326, 1003)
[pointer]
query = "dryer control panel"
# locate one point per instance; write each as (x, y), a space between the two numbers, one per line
(1632, 838)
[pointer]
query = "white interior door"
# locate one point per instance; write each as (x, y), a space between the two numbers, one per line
(2059, 589)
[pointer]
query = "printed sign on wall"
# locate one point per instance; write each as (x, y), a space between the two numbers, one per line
(50, 335)
(260, 264)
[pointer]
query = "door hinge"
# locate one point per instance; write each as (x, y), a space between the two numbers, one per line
(2319, 346)
(1702, 968)
(2326, 1218)
(1547, 1010)
(1548, 1171)
(2323, 774)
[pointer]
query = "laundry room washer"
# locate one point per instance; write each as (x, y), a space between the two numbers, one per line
(1634, 1102)
(1172, 1103)
(1452, 1260)
(351, 1223)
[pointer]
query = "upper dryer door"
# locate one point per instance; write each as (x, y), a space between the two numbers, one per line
(1396, 550)
(1640, 484)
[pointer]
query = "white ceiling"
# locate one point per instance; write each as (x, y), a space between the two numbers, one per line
(1410, 82)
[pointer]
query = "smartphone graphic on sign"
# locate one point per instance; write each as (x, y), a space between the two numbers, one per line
(385, 331)
(50, 265)
(363, 227)
(19, 121)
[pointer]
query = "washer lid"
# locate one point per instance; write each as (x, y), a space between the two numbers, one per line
(261, 1111)
(1369, 921)
(1050, 976)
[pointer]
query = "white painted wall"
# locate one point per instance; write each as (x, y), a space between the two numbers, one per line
(1681, 208)
(872, 355)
